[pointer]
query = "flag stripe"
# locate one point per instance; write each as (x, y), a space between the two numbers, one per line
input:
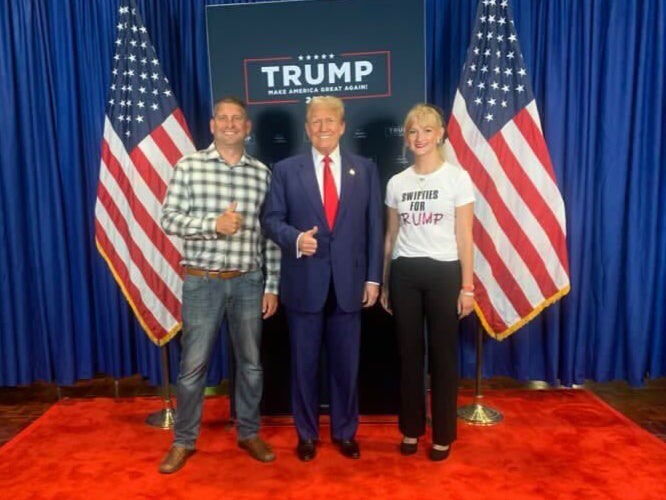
(505, 250)
(139, 211)
(511, 228)
(140, 185)
(166, 145)
(523, 149)
(178, 132)
(530, 130)
(152, 302)
(155, 259)
(484, 215)
(528, 192)
(118, 261)
(502, 275)
(489, 295)
(150, 175)
(178, 116)
(150, 277)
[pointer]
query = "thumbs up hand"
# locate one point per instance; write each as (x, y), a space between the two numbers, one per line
(229, 222)
(307, 243)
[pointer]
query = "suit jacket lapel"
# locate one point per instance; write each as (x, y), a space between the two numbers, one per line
(347, 185)
(311, 189)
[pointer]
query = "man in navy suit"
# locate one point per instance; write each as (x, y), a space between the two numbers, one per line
(324, 211)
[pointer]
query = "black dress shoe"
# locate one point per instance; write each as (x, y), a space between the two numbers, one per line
(348, 447)
(306, 449)
(439, 455)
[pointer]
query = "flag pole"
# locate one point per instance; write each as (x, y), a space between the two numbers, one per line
(476, 413)
(164, 418)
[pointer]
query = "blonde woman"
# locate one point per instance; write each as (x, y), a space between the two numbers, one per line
(428, 254)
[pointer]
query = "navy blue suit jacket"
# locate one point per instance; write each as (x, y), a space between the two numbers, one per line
(350, 255)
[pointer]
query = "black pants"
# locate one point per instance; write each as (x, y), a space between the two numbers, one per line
(425, 288)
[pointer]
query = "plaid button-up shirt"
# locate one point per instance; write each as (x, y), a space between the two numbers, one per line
(201, 189)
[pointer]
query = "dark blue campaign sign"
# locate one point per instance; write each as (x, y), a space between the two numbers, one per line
(278, 55)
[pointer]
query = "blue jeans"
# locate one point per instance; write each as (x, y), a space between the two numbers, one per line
(205, 303)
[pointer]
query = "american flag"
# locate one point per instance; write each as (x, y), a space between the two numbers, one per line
(520, 254)
(145, 134)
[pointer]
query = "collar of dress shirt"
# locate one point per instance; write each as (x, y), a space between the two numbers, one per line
(214, 154)
(318, 158)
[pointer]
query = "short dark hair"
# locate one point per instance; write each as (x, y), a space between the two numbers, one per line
(230, 99)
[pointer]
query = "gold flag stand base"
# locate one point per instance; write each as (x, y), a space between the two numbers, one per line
(476, 413)
(164, 418)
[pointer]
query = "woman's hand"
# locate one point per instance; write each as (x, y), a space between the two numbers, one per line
(465, 303)
(384, 299)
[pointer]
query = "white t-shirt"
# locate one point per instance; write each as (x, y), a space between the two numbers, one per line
(426, 206)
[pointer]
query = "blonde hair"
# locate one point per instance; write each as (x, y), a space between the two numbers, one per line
(427, 113)
(329, 101)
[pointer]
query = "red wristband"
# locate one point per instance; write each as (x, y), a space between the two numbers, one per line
(469, 288)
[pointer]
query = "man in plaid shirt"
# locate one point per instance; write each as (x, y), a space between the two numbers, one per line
(214, 202)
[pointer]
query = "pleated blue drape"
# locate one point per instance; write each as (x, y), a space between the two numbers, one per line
(598, 68)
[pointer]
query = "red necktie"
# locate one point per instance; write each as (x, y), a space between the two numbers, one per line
(330, 193)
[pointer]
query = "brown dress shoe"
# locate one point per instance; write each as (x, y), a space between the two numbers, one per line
(174, 460)
(257, 448)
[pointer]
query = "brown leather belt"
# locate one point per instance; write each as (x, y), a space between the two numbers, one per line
(223, 275)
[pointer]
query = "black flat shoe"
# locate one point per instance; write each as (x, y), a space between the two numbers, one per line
(306, 449)
(408, 448)
(439, 455)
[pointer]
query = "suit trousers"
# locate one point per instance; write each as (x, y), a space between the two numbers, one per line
(340, 333)
(422, 288)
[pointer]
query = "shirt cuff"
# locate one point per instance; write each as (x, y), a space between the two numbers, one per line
(271, 286)
(208, 225)
(298, 252)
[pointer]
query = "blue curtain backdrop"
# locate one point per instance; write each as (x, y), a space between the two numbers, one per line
(598, 69)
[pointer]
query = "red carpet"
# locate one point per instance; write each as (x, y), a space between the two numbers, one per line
(552, 444)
